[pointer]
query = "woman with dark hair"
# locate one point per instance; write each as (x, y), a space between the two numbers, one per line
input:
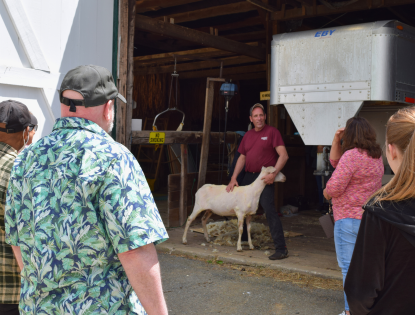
(381, 278)
(357, 159)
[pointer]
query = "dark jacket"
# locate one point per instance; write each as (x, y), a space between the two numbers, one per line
(381, 276)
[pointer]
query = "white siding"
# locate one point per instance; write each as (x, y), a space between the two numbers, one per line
(70, 33)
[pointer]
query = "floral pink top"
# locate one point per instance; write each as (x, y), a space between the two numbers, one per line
(356, 177)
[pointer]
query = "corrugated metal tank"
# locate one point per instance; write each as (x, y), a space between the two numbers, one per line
(324, 77)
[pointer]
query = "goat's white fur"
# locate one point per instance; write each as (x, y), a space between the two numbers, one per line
(242, 201)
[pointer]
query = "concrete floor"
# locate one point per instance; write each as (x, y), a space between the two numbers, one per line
(197, 287)
(312, 253)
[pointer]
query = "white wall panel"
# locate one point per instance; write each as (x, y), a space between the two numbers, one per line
(12, 53)
(70, 33)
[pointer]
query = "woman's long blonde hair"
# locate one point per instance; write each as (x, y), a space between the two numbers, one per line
(400, 131)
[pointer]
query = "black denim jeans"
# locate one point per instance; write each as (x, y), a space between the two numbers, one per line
(267, 202)
(9, 309)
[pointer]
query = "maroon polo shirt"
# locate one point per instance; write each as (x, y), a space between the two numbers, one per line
(259, 148)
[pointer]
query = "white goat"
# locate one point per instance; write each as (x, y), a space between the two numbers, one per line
(242, 201)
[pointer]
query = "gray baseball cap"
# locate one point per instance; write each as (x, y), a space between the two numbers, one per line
(94, 83)
(14, 115)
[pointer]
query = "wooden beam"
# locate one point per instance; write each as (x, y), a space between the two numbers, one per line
(308, 3)
(401, 17)
(169, 57)
(184, 137)
(263, 5)
(130, 73)
(332, 20)
(256, 20)
(227, 9)
(183, 183)
(207, 123)
(322, 10)
(122, 71)
(154, 5)
(268, 29)
(249, 76)
(142, 40)
(191, 66)
(227, 72)
(201, 38)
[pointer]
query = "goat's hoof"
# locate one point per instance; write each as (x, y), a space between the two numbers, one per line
(208, 240)
(239, 250)
(184, 242)
(252, 248)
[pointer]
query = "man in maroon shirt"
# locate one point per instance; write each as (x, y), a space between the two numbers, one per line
(263, 146)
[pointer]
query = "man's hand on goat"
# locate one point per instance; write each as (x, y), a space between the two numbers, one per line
(231, 185)
(269, 179)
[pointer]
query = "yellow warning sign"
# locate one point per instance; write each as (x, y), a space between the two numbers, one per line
(157, 137)
(265, 96)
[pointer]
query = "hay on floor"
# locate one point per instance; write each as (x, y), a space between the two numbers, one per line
(226, 233)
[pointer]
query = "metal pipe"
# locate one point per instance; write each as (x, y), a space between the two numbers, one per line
(221, 69)
(224, 141)
(326, 160)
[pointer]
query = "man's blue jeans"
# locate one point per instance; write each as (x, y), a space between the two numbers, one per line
(345, 234)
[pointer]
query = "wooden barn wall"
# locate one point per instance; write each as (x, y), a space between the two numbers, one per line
(151, 94)
(193, 102)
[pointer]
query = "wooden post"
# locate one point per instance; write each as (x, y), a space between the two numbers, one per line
(130, 74)
(302, 176)
(122, 70)
(276, 28)
(210, 90)
(183, 185)
(268, 38)
(289, 130)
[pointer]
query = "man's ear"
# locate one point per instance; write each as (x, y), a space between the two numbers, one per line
(250, 118)
(107, 109)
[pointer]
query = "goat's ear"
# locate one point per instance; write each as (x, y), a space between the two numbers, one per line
(263, 168)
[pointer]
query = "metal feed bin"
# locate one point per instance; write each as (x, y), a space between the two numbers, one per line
(324, 77)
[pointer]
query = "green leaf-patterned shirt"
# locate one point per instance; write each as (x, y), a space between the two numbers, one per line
(76, 199)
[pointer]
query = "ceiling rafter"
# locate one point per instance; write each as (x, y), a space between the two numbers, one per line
(263, 5)
(321, 10)
(155, 5)
(227, 72)
(198, 65)
(227, 9)
(400, 16)
(256, 20)
(176, 31)
(194, 53)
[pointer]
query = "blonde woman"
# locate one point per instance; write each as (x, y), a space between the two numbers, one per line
(381, 277)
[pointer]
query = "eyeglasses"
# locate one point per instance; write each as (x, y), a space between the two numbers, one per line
(31, 127)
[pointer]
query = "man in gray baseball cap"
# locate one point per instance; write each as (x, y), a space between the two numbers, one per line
(14, 134)
(94, 83)
(96, 221)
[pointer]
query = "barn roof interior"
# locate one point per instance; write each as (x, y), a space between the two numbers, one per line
(203, 36)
